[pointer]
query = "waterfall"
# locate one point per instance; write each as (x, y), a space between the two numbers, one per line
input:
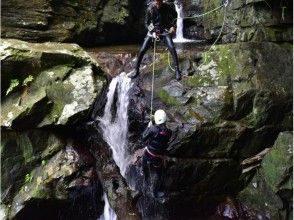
(115, 128)
(108, 213)
(180, 24)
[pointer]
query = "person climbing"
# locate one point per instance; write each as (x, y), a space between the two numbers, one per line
(160, 21)
(157, 138)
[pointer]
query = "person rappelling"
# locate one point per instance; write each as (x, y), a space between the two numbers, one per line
(160, 21)
(156, 138)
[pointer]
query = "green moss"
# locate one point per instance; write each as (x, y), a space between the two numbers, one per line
(277, 164)
(167, 99)
(199, 80)
(114, 12)
(27, 148)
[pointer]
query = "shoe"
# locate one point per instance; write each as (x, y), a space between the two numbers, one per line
(178, 75)
(133, 74)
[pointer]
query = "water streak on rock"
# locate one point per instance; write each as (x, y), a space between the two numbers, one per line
(115, 128)
(108, 213)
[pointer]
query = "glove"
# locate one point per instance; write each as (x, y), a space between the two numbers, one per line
(151, 27)
(154, 35)
(150, 124)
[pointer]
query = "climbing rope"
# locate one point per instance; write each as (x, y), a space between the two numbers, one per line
(153, 73)
(192, 17)
(206, 13)
(201, 15)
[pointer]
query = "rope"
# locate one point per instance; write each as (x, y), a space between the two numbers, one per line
(192, 17)
(221, 30)
(169, 63)
(218, 37)
(201, 15)
(153, 73)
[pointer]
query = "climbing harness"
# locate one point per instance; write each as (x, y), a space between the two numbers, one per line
(152, 154)
(156, 156)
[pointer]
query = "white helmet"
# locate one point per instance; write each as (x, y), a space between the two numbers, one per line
(160, 117)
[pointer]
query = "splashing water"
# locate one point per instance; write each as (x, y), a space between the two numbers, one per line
(180, 25)
(108, 213)
(115, 129)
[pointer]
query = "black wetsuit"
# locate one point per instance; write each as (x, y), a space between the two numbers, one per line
(162, 19)
(157, 138)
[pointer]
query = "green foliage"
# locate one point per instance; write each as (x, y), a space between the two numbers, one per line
(28, 178)
(167, 99)
(27, 80)
(43, 162)
(13, 84)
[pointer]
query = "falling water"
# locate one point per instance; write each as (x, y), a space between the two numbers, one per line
(115, 128)
(108, 213)
(180, 24)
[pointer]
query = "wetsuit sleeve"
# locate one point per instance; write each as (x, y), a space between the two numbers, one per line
(146, 134)
(148, 18)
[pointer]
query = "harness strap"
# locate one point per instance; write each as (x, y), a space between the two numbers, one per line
(152, 154)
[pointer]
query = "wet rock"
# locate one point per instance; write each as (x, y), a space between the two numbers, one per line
(118, 192)
(268, 194)
(54, 178)
(64, 82)
(245, 21)
(82, 22)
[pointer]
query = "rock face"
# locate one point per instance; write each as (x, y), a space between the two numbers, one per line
(255, 20)
(83, 22)
(47, 90)
(232, 105)
(270, 192)
(64, 83)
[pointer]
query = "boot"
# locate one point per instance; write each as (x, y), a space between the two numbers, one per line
(133, 74)
(178, 75)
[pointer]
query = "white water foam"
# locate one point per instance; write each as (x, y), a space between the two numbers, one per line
(180, 25)
(115, 129)
(108, 213)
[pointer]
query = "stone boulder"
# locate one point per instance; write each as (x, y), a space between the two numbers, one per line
(270, 192)
(243, 21)
(64, 82)
(230, 107)
(47, 91)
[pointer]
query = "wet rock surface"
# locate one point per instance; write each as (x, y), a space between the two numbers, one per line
(47, 90)
(55, 83)
(84, 22)
(223, 112)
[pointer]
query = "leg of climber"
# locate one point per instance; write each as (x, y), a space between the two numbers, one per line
(157, 172)
(145, 167)
(171, 47)
(144, 48)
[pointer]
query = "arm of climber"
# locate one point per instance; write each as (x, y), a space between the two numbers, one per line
(148, 18)
(147, 133)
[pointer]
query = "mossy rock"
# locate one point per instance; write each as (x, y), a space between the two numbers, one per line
(277, 165)
(20, 151)
(65, 82)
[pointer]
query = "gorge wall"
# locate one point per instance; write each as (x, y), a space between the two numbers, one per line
(231, 115)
